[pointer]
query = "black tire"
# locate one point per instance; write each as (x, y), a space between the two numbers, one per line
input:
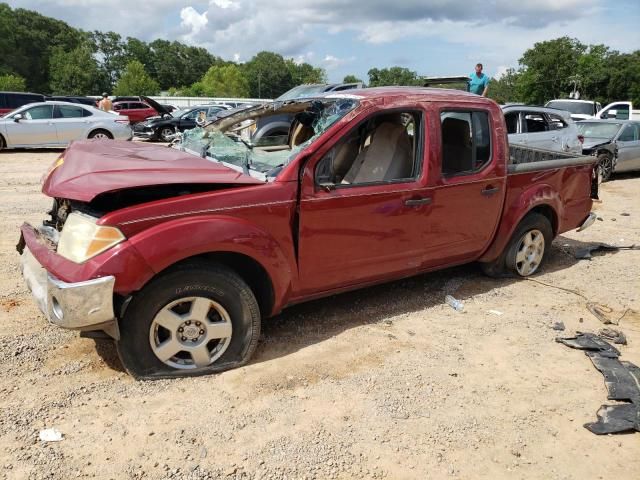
(2, 143)
(506, 264)
(605, 166)
(97, 133)
(162, 133)
(211, 281)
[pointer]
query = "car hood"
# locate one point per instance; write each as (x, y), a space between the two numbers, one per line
(590, 142)
(91, 167)
(156, 106)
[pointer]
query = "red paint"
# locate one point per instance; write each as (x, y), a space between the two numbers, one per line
(313, 242)
(135, 114)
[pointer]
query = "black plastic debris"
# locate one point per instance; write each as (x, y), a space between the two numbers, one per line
(586, 252)
(559, 326)
(622, 380)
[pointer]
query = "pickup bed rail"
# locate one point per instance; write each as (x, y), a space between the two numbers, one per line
(527, 159)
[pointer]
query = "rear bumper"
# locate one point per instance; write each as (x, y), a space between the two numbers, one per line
(591, 218)
(84, 305)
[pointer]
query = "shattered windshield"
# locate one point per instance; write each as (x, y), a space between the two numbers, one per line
(230, 140)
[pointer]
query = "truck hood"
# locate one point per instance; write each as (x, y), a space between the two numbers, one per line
(590, 142)
(91, 167)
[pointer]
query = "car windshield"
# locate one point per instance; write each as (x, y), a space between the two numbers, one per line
(580, 108)
(231, 144)
(178, 113)
(598, 130)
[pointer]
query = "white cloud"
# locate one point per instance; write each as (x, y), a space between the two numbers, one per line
(331, 62)
(192, 21)
(225, 4)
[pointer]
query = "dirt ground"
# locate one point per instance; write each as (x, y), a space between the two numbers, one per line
(387, 382)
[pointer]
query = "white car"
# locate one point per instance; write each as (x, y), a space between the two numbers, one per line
(55, 124)
(579, 109)
(540, 127)
(619, 111)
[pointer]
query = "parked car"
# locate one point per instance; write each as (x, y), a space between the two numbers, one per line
(579, 109)
(164, 128)
(541, 127)
(273, 129)
(180, 253)
(619, 111)
(9, 101)
(139, 110)
(55, 124)
(73, 99)
(615, 143)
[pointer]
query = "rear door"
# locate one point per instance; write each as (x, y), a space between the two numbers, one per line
(70, 122)
(469, 186)
(538, 132)
(35, 128)
(628, 143)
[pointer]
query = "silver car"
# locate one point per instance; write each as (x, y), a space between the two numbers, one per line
(55, 124)
(541, 127)
(616, 143)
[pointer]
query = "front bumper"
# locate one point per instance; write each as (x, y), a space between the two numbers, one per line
(84, 305)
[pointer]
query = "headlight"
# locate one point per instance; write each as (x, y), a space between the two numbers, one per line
(81, 239)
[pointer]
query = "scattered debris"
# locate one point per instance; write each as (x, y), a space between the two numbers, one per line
(50, 435)
(601, 311)
(622, 380)
(613, 335)
(625, 214)
(586, 252)
(559, 326)
(600, 219)
(495, 312)
(457, 305)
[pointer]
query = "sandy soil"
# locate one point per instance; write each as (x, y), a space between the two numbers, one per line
(387, 382)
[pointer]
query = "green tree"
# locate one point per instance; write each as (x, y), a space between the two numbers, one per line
(351, 79)
(12, 83)
(302, 73)
(505, 89)
(111, 54)
(393, 76)
(136, 81)
(73, 72)
(225, 81)
(624, 80)
(268, 75)
(548, 68)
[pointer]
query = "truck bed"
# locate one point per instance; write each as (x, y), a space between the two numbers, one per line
(527, 159)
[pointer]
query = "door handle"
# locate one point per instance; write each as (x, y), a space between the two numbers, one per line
(416, 202)
(490, 191)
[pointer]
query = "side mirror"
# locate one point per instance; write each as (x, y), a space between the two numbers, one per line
(18, 117)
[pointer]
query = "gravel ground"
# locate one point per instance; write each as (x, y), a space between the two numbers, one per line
(386, 383)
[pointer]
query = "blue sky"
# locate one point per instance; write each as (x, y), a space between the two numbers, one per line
(431, 37)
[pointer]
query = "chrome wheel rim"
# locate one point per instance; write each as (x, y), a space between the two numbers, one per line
(166, 133)
(529, 252)
(605, 168)
(190, 333)
(101, 136)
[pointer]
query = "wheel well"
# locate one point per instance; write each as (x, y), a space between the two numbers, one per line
(3, 142)
(551, 215)
(93, 132)
(249, 270)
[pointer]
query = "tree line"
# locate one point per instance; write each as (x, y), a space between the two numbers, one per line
(46, 55)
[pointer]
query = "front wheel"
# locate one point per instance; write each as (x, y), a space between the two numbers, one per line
(166, 134)
(191, 321)
(526, 251)
(605, 166)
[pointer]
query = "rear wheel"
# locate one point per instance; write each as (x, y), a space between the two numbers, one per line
(527, 249)
(191, 321)
(101, 135)
(605, 166)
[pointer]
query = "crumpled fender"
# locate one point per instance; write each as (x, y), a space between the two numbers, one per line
(170, 242)
(536, 195)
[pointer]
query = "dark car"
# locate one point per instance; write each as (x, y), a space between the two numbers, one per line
(274, 129)
(73, 99)
(163, 128)
(9, 101)
(616, 144)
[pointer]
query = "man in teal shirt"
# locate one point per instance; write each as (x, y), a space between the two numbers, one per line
(479, 82)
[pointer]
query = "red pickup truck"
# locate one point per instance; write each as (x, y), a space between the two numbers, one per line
(179, 253)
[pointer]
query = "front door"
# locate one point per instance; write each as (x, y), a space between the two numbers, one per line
(628, 143)
(364, 204)
(35, 128)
